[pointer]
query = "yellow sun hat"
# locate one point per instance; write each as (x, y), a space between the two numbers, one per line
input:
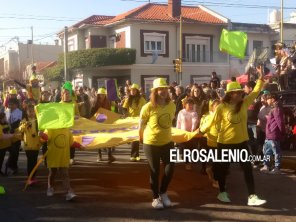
(102, 91)
(159, 83)
(13, 92)
(233, 86)
(135, 86)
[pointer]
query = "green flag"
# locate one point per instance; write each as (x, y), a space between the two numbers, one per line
(233, 43)
(55, 115)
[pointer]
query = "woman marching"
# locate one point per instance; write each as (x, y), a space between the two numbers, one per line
(102, 101)
(132, 107)
(155, 131)
(230, 119)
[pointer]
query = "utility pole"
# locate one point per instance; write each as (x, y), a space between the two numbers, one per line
(65, 53)
(181, 53)
(282, 20)
(32, 38)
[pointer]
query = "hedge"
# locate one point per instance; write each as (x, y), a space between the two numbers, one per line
(91, 58)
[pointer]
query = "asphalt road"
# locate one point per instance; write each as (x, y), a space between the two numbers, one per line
(120, 192)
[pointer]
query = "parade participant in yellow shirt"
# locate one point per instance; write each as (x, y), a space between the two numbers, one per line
(29, 129)
(5, 139)
(132, 107)
(102, 101)
(230, 119)
(33, 88)
(155, 131)
(59, 142)
(68, 96)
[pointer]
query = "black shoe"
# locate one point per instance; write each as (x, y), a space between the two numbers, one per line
(111, 159)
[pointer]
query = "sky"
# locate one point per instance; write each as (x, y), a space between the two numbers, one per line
(49, 17)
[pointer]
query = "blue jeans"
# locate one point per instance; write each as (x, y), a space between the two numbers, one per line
(272, 147)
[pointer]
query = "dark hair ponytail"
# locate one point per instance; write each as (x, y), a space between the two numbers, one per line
(227, 98)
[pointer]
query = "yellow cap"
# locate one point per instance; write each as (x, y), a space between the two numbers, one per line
(135, 86)
(102, 91)
(13, 92)
(2, 190)
(159, 83)
(233, 86)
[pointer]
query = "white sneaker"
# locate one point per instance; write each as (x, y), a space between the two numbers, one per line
(165, 200)
(275, 171)
(72, 161)
(157, 204)
(50, 192)
(264, 169)
(70, 196)
(254, 200)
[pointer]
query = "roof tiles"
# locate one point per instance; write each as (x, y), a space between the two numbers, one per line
(155, 12)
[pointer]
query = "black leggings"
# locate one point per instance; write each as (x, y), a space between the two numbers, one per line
(154, 154)
(221, 168)
(12, 161)
(32, 157)
(135, 146)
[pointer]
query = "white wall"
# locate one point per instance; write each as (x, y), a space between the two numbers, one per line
(136, 44)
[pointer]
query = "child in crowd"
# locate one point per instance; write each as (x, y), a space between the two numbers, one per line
(188, 120)
(261, 124)
(14, 117)
(275, 131)
(31, 139)
(59, 142)
(211, 135)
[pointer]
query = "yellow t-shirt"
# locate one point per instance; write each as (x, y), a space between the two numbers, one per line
(232, 127)
(134, 110)
(211, 133)
(58, 144)
(33, 92)
(158, 123)
(31, 138)
(4, 143)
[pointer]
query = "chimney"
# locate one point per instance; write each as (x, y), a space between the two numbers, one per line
(174, 8)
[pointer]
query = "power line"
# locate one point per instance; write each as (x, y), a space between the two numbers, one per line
(13, 28)
(233, 5)
(221, 4)
(45, 36)
(40, 16)
(39, 19)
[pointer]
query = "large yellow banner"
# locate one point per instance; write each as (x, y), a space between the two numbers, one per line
(94, 135)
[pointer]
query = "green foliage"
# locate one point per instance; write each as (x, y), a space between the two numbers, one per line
(100, 57)
(54, 73)
(91, 58)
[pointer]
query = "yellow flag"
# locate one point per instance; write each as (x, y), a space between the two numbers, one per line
(55, 115)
